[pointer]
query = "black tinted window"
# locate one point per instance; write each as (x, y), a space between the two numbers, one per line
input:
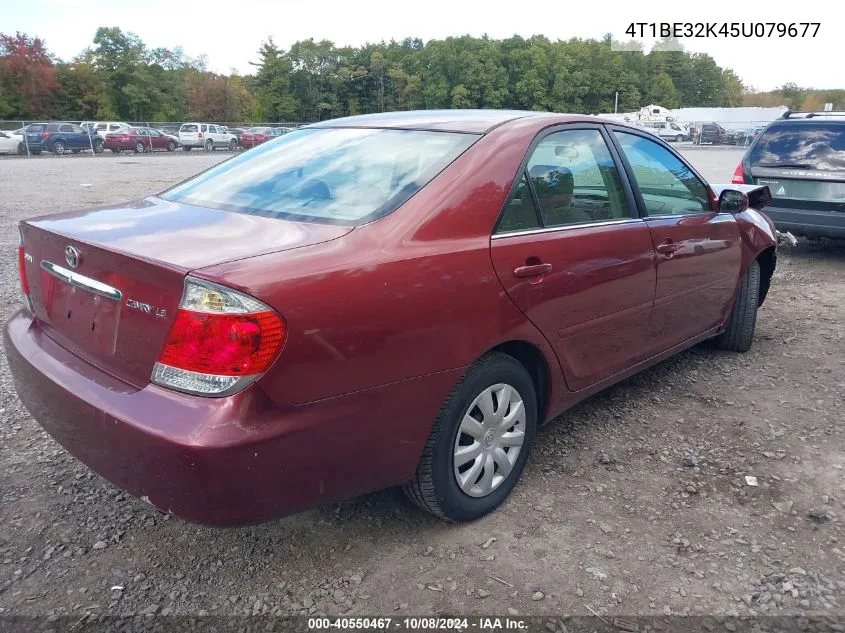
(802, 145)
(520, 214)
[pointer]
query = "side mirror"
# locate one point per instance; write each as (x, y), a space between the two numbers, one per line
(733, 201)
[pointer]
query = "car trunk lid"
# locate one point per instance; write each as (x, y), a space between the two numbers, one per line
(106, 283)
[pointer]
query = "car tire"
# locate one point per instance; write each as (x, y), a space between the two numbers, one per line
(471, 490)
(739, 333)
(233, 145)
(209, 145)
(171, 146)
(21, 149)
(140, 148)
(98, 147)
(679, 138)
(185, 148)
(58, 148)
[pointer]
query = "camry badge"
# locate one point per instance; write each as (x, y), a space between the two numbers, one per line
(72, 256)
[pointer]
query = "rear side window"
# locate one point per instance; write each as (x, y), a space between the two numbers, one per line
(331, 175)
(575, 179)
(34, 128)
(801, 145)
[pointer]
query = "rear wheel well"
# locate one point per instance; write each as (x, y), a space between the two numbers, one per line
(766, 260)
(530, 357)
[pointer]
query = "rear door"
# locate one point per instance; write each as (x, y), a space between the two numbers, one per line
(698, 250)
(574, 257)
(803, 164)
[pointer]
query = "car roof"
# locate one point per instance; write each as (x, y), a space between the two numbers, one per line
(466, 121)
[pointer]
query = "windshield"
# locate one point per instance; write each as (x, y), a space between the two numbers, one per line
(334, 175)
(819, 146)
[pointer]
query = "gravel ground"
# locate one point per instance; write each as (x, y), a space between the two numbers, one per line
(634, 502)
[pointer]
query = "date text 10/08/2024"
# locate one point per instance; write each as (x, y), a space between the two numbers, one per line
(418, 624)
(722, 29)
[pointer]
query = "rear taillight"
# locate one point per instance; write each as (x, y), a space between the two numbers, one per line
(199, 135)
(45, 135)
(22, 259)
(739, 176)
(220, 341)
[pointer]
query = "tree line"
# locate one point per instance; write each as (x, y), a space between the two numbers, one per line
(119, 77)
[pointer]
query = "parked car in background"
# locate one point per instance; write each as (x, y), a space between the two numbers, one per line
(167, 128)
(105, 127)
(715, 134)
(801, 158)
(668, 130)
(258, 135)
(208, 136)
(62, 137)
(140, 140)
(12, 142)
(384, 299)
(237, 132)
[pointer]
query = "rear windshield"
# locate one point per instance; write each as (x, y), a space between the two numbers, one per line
(337, 176)
(188, 128)
(819, 146)
(35, 127)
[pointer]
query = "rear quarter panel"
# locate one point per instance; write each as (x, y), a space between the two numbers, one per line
(411, 294)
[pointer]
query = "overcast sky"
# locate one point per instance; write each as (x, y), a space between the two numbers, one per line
(231, 32)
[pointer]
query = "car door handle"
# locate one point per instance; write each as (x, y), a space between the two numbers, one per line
(532, 270)
(668, 248)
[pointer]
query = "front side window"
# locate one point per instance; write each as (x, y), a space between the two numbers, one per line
(332, 175)
(575, 179)
(668, 187)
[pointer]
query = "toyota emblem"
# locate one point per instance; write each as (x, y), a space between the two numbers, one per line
(72, 256)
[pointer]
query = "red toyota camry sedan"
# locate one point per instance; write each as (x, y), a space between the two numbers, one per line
(372, 301)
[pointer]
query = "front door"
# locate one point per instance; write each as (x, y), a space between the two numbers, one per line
(574, 257)
(698, 249)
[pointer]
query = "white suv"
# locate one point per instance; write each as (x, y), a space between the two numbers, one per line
(206, 135)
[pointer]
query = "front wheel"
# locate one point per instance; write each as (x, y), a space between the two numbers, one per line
(58, 148)
(98, 147)
(480, 442)
(739, 333)
(233, 145)
(171, 146)
(22, 149)
(209, 145)
(679, 138)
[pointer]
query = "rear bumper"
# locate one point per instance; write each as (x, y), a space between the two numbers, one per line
(813, 223)
(222, 461)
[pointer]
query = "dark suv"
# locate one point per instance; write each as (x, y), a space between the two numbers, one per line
(801, 157)
(62, 137)
(717, 135)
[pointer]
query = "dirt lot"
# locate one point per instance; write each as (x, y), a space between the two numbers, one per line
(635, 502)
